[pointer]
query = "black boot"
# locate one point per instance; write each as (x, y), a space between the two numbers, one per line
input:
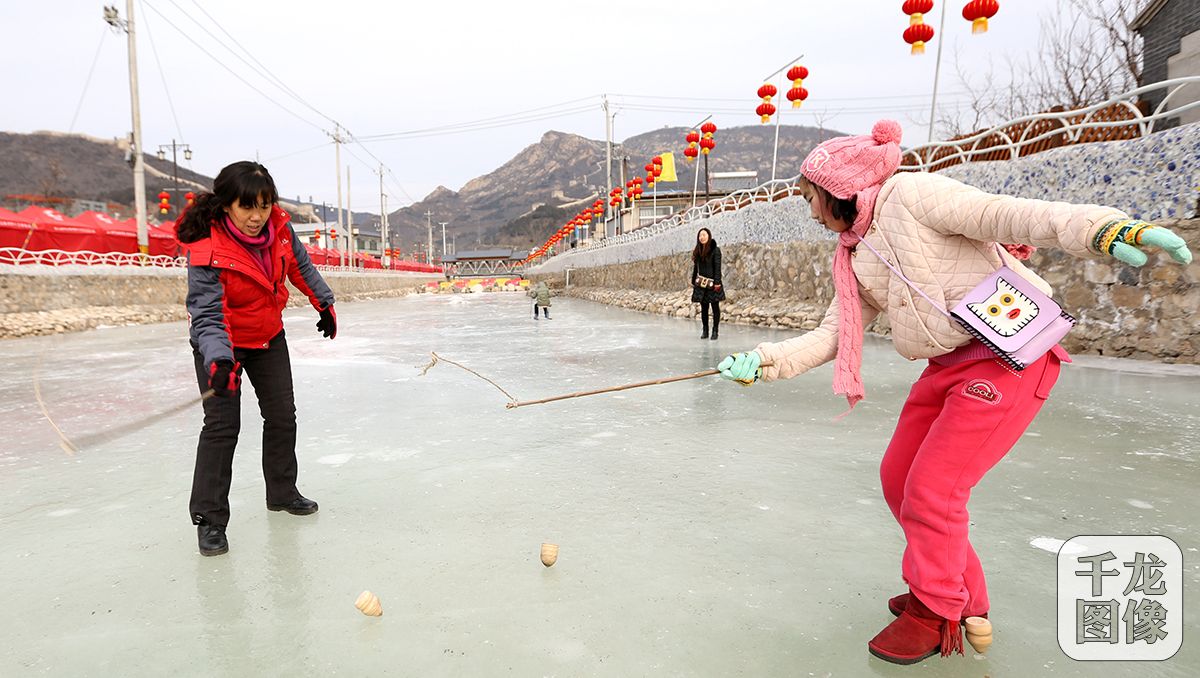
(714, 332)
(704, 334)
(297, 507)
(212, 539)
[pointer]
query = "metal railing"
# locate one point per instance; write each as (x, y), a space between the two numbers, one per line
(1125, 116)
(15, 256)
(1038, 132)
(20, 257)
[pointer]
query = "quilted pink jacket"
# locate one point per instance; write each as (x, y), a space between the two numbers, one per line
(940, 233)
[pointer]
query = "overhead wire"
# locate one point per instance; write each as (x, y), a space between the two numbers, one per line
(87, 83)
(163, 75)
(266, 71)
(231, 71)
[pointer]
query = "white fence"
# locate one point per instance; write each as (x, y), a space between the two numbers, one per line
(1120, 117)
(15, 256)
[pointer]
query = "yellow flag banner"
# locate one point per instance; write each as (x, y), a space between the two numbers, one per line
(668, 168)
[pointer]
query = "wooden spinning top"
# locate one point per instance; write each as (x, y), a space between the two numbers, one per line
(979, 633)
(368, 603)
(549, 554)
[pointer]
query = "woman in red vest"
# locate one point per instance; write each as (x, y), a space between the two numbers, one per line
(241, 250)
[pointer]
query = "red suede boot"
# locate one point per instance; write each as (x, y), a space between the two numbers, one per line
(897, 604)
(916, 634)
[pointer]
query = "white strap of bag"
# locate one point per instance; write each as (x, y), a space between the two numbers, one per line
(909, 282)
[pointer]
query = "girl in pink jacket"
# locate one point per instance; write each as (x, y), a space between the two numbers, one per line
(968, 408)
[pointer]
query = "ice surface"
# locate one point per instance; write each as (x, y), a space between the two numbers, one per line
(705, 529)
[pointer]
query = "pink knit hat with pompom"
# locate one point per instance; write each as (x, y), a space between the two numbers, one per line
(846, 165)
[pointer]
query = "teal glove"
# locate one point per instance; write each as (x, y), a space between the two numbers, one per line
(1121, 239)
(741, 367)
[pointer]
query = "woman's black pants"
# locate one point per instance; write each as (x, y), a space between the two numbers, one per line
(716, 312)
(270, 371)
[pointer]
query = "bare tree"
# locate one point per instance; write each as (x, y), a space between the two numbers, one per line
(49, 184)
(1087, 52)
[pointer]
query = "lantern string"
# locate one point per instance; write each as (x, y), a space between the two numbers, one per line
(437, 358)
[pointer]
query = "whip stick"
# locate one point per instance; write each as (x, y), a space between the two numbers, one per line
(125, 429)
(640, 384)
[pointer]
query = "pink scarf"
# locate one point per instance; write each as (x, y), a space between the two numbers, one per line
(847, 379)
(259, 247)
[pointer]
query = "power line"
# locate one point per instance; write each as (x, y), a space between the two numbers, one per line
(162, 74)
(264, 72)
(310, 149)
(478, 128)
(232, 72)
(88, 81)
(482, 121)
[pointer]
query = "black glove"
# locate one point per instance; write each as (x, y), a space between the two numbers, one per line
(224, 379)
(327, 325)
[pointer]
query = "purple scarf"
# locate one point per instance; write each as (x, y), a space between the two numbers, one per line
(258, 247)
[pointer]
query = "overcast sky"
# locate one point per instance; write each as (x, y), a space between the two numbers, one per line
(387, 67)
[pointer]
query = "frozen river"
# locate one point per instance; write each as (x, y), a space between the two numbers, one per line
(705, 529)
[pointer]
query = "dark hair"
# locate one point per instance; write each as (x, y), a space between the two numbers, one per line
(244, 182)
(843, 210)
(703, 251)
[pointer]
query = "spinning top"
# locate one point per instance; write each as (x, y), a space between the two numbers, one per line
(979, 633)
(549, 554)
(368, 603)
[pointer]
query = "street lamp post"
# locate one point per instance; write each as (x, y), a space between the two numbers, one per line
(187, 155)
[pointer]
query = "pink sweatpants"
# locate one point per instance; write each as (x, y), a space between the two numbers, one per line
(958, 422)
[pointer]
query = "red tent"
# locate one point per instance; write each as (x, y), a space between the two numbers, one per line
(50, 230)
(121, 236)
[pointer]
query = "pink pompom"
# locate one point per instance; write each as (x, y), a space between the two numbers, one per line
(887, 132)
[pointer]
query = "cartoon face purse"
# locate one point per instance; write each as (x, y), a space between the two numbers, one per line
(1006, 313)
(704, 282)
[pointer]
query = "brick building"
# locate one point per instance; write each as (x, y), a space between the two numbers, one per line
(1170, 30)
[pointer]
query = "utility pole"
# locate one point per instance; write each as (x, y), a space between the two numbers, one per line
(349, 219)
(443, 225)
(382, 219)
(937, 72)
(323, 242)
(337, 146)
(608, 162)
(617, 226)
(113, 18)
(429, 247)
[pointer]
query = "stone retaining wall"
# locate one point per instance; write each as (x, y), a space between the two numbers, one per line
(1148, 313)
(41, 300)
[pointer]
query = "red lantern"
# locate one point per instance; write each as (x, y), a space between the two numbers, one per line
(917, 35)
(317, 233)
(918, 32)
(693, 137)
(164, 202)
(637, 181)
(707, 143)
(766, 109)
(915, 9)
(797, 94)
(978, 12)
(190, 198)
(333, 235)
(690, 153)
(649, 168)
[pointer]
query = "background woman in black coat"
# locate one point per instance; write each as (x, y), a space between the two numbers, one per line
(706, 280)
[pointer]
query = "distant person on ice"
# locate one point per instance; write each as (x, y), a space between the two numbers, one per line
(706, 281)
(968, 408)
(541, 299)
(241, 250)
